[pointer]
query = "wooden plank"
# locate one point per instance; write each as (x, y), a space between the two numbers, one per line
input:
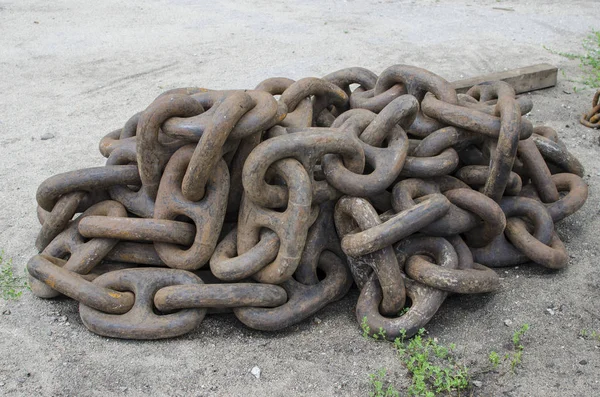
(530, 78)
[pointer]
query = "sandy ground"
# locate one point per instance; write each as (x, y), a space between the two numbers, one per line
(78, 70)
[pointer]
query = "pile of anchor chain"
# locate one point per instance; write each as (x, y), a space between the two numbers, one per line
(272, 202)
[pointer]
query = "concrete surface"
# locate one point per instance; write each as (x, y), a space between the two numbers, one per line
(78, 70)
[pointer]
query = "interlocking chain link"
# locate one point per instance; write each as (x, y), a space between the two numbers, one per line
(272, 202)
(592, 118)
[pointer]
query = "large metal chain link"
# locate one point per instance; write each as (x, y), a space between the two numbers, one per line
(295, 190)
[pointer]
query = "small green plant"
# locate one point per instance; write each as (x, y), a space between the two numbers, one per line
(11, 286)
(403, 311)
(518, 354)
(513, 358)
(365, 328)
(377, 381)
(380, 335)
(590, 335)
(431, 365)
(494, 359)
(518, 334)
(589, 62)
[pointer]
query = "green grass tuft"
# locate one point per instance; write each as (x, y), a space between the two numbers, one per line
(589, 61)
(11, 286)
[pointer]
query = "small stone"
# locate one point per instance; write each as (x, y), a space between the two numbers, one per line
(47, 136)
(123, 389)
(477, 383)
(1, 384)
(583, 362)
(49, 333)
(508, 323)
(256, 372)
(63, 319)
(6, 312)
(317, 320)
(551, 311)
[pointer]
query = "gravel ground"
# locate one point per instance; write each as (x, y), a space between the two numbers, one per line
(78, 70)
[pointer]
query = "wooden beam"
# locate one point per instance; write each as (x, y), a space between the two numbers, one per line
(530, 78)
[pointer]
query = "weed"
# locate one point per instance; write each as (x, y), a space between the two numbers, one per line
(377, 381)
(590, 335)
(365, 328)
(515, 357)
(11, 286)
(403, 311)
(518, 334)
(494, 359)
(380, 335)
(518, 354)
(589, 62)
(516, 360)
(432, 367)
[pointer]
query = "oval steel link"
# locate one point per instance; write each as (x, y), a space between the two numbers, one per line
(227, 265)
(47, 270)
(576, 195)
(207, 214)
(351, 212)
(140, 322)
(291, 225)
(303, 300)
(82, 255)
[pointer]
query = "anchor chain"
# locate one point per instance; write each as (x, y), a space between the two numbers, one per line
(272, 202)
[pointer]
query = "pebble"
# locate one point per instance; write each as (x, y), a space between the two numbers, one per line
(477, 383)
(256, 372)
(6, 312)
(123, 388)
(47, 136)
(551, 311)
(317, 320)
(583, 362)
(1, 384)
(508, 323)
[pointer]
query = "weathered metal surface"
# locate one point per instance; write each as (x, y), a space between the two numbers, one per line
(592, 118)
(294, 190)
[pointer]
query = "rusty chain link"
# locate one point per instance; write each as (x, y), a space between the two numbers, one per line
(592, 118)
(291, 192)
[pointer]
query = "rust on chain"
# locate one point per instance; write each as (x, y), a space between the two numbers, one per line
(206, 214)
(140, 322)
(296, 189)
(592, 118)
(82, 255)
(303, 300)
(475, 279)
(351, 212)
